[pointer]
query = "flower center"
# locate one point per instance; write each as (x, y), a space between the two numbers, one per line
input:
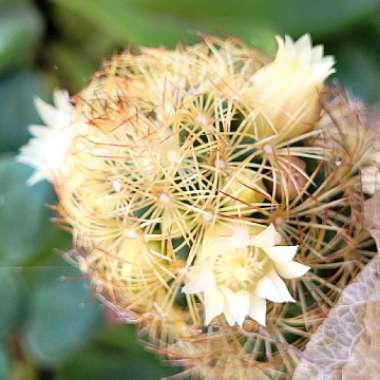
(241, 268)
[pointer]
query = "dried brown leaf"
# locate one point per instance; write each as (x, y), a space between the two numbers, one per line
(372, 217)
(349, 334)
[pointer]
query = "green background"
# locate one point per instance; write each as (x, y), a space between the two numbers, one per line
(51, 325)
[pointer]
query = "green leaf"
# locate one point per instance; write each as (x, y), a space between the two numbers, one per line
(4, 363)
(20, 31)
(375, 22)
(155, 22)
(101, 364)
(127, 24)
(116, 355)
(74, 67)
(56, 243)
(291, 16)
(76, 29)
(11, 294)
(61, 319)
(17, 110)
(23, 213)
(8, 3)
(359, 71)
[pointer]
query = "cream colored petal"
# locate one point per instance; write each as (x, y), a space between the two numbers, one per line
(282, 253)
(272, 288)
(241, 306)
(267, 238)
(49, 114)
(38, 130)
(36, 177)
(229, 315)
(200, 280)
(280, 49)
(258, 309)
(317, 54)
(267, 290)
(229, 305)
(291, 269)
(281, 286)
(228, 310)
(62, 101)
(214, 304)
(303, 49)
(289, 46)
(304, 42)
(324, 68)
(240, 237)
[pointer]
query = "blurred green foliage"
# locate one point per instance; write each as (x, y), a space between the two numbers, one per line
(51, 327)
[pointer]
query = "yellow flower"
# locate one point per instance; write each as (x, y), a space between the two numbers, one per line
(286, 92)
(239, 269)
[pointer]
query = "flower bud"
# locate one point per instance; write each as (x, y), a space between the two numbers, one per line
(285, 93)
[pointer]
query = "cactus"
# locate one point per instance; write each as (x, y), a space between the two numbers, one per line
(214, 198)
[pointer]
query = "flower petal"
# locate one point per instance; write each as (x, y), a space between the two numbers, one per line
(281, 286)
(267, 238)
(47, 149)
(214, 304)
(272, 288)
(200, 280)
(258, 309)
(282, 253)
(62, 101)
(241, 306)
(291, 269)
(229, 305)
(240, 238)
(50, 115)
(236, 306)
(230, 317)
(267, 290)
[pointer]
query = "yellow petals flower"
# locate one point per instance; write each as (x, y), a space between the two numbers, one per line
(286, 92)
(239, 269)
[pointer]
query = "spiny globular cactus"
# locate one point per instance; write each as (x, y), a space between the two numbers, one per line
(214, 197)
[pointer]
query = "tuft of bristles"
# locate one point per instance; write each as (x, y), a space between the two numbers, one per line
(171, 144)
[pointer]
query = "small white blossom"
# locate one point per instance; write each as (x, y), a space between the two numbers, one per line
(47, 149)
(239, 269)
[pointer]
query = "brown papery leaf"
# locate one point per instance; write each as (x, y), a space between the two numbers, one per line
(372, 217)
(364, 362)
(347, 345)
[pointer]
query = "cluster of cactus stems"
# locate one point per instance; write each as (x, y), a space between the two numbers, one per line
(191, 179)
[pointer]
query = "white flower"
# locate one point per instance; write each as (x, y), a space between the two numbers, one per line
(47, 149)
(239, 269)
(286, 91)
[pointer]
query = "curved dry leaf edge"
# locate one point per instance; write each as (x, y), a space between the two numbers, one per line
(333, 351)
(372, 216)
(364, 362)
